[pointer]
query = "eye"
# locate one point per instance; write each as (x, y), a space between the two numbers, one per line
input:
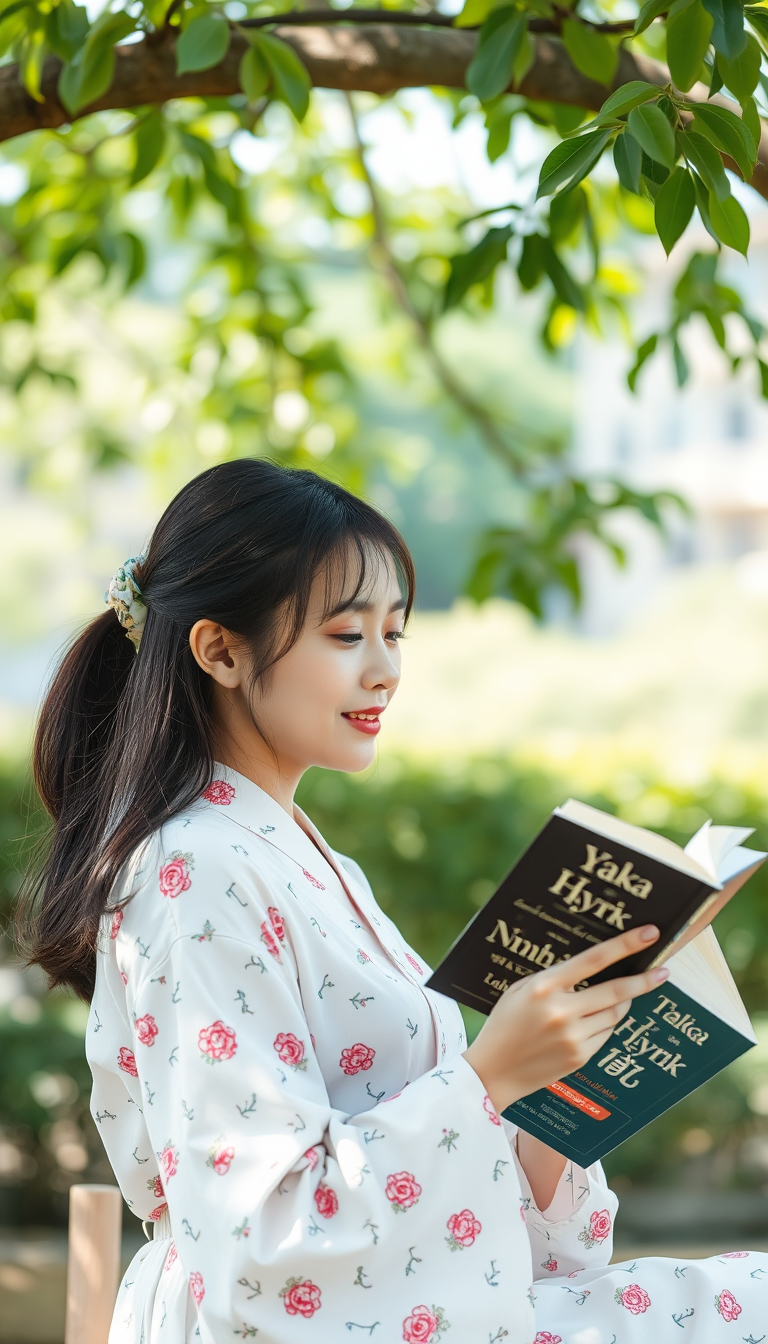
(395, 635)
(349, 639)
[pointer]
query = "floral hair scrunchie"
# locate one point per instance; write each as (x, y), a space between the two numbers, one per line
(125, 597)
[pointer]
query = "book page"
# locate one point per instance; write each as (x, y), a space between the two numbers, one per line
(636, 837)
(701, 971)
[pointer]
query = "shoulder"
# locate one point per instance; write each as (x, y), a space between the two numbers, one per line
(354, 870)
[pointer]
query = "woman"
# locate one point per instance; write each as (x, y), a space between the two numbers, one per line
(296, 1118)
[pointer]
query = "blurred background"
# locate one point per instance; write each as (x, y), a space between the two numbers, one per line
(647, 697)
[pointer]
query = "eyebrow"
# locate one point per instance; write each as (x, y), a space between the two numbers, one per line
(362, 604)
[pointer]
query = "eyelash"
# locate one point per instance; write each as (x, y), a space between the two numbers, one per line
(394, 635)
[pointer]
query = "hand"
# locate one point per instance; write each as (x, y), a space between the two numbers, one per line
(540, 1029)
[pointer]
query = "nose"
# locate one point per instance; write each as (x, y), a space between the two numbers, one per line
(383, 670)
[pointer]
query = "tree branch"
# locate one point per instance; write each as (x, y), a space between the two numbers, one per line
(376, 58)
(385, 262)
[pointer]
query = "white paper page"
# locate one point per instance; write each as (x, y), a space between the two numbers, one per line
(700, 970)
(718, 850)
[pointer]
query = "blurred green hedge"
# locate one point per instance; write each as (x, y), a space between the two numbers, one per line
(434, 841)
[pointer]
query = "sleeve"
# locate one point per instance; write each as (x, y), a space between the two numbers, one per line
(576, 1230)
(280, 1205)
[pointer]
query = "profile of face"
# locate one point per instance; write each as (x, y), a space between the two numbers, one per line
(320, 703)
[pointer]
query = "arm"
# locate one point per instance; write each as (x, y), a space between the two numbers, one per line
(543, 1167)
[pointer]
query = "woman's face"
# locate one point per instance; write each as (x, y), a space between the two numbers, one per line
(320, 703)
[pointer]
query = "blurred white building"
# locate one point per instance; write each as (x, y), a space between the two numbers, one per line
(708, 441)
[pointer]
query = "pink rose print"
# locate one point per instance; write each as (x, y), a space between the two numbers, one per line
(727, 1305)
(290, 1050)
(156, 1186)
(634, 1298)
(276, 920)
(219, 793)
(126, 1060)
(414, 963)
(217, 1042)
(220, 1158)
(463, 1228)
(171, 1257)
(402, 1190)
(117, 920)
(146, 1029)
(158, 1212)
(490, 1110)
(196, 1286)
(169, 1161)
(312, 1159)
(124, 977)
(356, 1058)
(315, 883)
(550, 1264)
(424, 1325)
(362, 956)
(546, 1337)
(269, 940)
(327, 1201)
(301, 1297)
(734, 1255)
(599, 1228)
(174, 875)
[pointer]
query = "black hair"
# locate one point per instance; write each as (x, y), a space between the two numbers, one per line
(126, 735)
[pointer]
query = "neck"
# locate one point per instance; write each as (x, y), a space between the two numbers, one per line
(238, 744)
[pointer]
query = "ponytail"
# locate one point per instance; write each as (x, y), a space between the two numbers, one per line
(123, 741)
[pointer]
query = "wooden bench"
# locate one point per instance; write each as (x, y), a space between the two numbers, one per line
(93, 1266)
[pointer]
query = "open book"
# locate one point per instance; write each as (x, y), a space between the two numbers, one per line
(586, 877)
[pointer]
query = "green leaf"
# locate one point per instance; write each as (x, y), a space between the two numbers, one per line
(653, 172)
(570, 161)
(650, 11)
(702, 205)
(591, 52)
(470, 268)
(716, 82)
(728, 33)
(705, 158)
(674, 207)
(644, 353)
(763, 369)
(89, 74)
(653, 133)
(202, 44)
(289, 76)
(66, 28)
(681, 363)
(758, 19)
(741, 74)
(524, 59)
(476, 12)
(530, 267)
(689, 28)
(149, 140)
(566, 213)
(624, 99)
(627, 156)
(254, 74)
(490, 71)
(728, 133)
(565, 287)
(751, 118)
(730, 223)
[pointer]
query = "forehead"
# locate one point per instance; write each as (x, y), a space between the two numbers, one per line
(360, 577)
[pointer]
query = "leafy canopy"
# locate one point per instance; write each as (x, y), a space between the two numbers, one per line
(659, 151)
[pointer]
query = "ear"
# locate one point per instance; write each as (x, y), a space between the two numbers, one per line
(215, 651)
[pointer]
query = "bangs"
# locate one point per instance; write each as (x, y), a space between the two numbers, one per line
(353, 569)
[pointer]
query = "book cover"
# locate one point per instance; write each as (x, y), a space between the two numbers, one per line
(666, 1047)
(572, 888)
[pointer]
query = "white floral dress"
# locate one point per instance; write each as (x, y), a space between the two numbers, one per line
(289, 1109)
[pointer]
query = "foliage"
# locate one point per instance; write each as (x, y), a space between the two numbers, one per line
(434, 842)
(123, 191)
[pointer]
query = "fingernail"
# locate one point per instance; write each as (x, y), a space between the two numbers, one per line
(659, 975)
(649, 933)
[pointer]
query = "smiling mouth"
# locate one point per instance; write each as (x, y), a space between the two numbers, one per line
(365, 720)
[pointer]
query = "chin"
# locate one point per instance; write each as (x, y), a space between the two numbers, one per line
(350, 762)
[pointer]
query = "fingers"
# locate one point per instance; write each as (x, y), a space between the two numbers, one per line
(603, 1024)
(624, 989)
(594, 959)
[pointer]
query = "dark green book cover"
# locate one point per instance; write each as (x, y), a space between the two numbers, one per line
(666, 1047)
